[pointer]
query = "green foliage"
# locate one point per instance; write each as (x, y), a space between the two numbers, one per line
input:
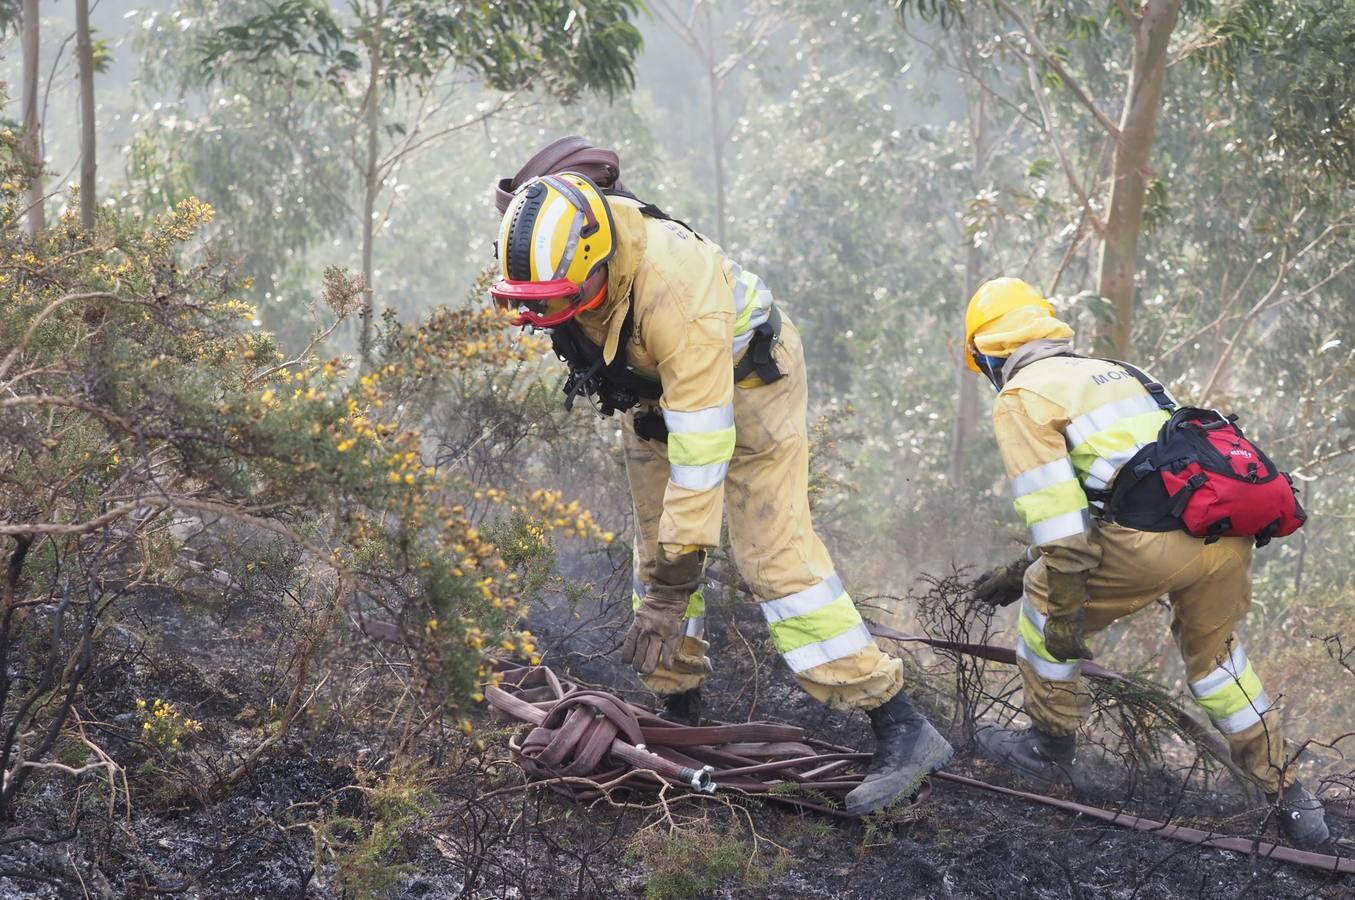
(1307, 63)
(273, 39)
(139, 391)
(689, 862)
(1227, 34)
(11, 14)
(265, 149)
(944, 12)
(525, 546)
(291, 117)
(164, 725)
(568, 47)
(366, 852)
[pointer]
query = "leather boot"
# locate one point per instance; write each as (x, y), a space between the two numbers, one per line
(1303, 820)
(1046, 759)
(683, 708)
(907, 749)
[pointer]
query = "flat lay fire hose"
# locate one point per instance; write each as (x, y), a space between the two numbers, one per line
(585, 742)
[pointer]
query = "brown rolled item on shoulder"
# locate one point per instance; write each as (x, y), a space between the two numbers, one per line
(567, 154)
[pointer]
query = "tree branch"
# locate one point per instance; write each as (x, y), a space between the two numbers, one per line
(1260, 305)
(42, 317)
(316, 339)
(1053, 62)
(1087, 212)
(1324, 459)
(969, 72)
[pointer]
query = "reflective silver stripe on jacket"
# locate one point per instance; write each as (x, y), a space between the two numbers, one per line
(1047, 475)
(1063, 526)
(1107, 416)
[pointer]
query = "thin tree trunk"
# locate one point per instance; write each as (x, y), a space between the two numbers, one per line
(717, 140)
(967, 409)
(1128, 192)
(719, 160)
(85, 51)
(371, 182)
(32, 135)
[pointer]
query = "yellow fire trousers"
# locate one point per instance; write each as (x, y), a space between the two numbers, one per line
(812, 621)
(1209, 588)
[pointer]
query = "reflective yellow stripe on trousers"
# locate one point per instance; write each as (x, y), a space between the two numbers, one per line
(816, 626)
(1030, 647)
(1232, 693)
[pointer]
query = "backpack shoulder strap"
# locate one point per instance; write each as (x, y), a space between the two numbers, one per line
(649, 210)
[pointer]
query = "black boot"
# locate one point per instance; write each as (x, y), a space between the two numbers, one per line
(683, 708)
(1046, 759)
(907, 748)
(1303, 820)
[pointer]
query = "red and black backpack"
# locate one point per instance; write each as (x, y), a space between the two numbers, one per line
(1203, 475)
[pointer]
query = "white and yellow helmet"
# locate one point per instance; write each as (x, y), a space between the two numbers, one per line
(556, 232)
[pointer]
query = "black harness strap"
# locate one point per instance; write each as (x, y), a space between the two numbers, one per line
(758, 357)
(615, 384)
(1154, 388)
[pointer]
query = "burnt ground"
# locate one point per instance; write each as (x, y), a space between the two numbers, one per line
(483, 833)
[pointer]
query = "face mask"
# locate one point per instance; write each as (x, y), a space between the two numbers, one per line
(991, 366)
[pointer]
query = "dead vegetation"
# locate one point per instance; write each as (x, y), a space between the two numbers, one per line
(249, 603)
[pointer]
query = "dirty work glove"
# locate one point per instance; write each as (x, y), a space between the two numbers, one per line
(656, 632)
(1003, 586)
(1063, 636)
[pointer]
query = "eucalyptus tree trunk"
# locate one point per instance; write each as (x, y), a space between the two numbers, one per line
(967, 407)
(32, 133)
(1152, 30)
(84, 48)
(371, 181)
(714, 82)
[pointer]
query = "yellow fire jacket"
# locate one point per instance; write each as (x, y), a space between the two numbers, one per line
(695, 311)
(1065, 425)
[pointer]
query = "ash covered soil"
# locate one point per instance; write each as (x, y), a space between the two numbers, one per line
(483, 834)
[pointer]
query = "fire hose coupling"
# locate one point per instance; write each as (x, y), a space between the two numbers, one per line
(701, 780)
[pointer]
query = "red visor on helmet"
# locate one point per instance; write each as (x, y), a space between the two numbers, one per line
(544, 304)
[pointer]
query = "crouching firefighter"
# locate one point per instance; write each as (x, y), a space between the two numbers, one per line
(657, 324)
(1067, 426)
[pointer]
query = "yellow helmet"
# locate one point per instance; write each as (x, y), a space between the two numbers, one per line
(993, 300)
(556, 232)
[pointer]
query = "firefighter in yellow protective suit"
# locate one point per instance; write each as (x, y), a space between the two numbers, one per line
(654, 320)
(1065, 425)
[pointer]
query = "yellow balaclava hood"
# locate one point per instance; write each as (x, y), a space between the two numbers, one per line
(1014, 329)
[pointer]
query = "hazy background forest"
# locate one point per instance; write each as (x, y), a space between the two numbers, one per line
(208, 490)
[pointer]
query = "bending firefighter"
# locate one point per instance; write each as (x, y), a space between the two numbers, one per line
(1066, 425)
(656, 323)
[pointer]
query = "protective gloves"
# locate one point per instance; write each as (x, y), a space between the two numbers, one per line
(656, 632)
(1063, 636)
(1003, 586)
